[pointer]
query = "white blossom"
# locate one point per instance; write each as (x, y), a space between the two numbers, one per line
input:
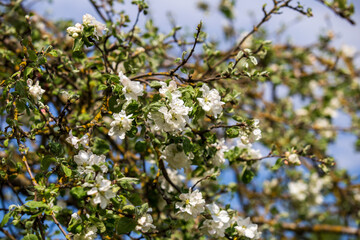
(192, 204)
(310, 190)
(167, 89)
(86, 159)
(324, 127)
(249, 151)
(89, 20)
(219, 157)
(121, 124)
(348, 51)
(316, 185)
(91, 233)
(76, 217)
(217, 214)
(298, 190)
(246, 228)
(35, 90)
(214, 228)
(294, 159)
(145, 223)
(101, 190)
(269, 186)
(253, 136)
(132, 89)
(75, 31)
(210, 101)
(356, 193)
(171, 119)
(84, 140)
(176, 158)
(301, 112)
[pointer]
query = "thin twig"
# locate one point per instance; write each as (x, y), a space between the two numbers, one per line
(166, 176)
(338, 12)
(135, 23)
(98, 10)
(184, 61)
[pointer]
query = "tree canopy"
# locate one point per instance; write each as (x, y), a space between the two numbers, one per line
(113, 130)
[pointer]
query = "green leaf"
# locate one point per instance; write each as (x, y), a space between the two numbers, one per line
(41, 60)
(78, 192)
(132, 108)
(129, 180)
(46, 161)
(36, 204)
(125, 225)
(134, 198)
(100, 146)
(155, 84)
(6, 143)
(114, 106)
(132, 132)
(279, 163)
(143, 209)
(78, 44)
(53, 53)
(28, 71)
(140, 146)
(247, 176)
(102, 87)
(56, 148)
(232, 132)
(128, 209)
(66, 170)
(253, 60)
(30, 237)
(237, 118)
(187, 146)
(32, 55)
(5, 219)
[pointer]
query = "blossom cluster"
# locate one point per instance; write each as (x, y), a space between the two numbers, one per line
(88, 21)
(192, 205)
(35, 90)
(173, 117)
(252, 135)
(310, 190)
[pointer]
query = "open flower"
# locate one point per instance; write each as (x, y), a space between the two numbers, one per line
(192, 204)
(132, 90)
(294, 159)
(84, 140)
(219, 157)
(172, 118)
(145, 222)
(217, 214)
(99, 28)
(35, 90)
(86, 159)
(211, 100)
(177, 159)
(214, 228)
(90, 234)
(101, 190)
(246, 228)
(121, 124)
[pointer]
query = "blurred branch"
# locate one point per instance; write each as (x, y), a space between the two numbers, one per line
(337, 11)
(337, 229)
